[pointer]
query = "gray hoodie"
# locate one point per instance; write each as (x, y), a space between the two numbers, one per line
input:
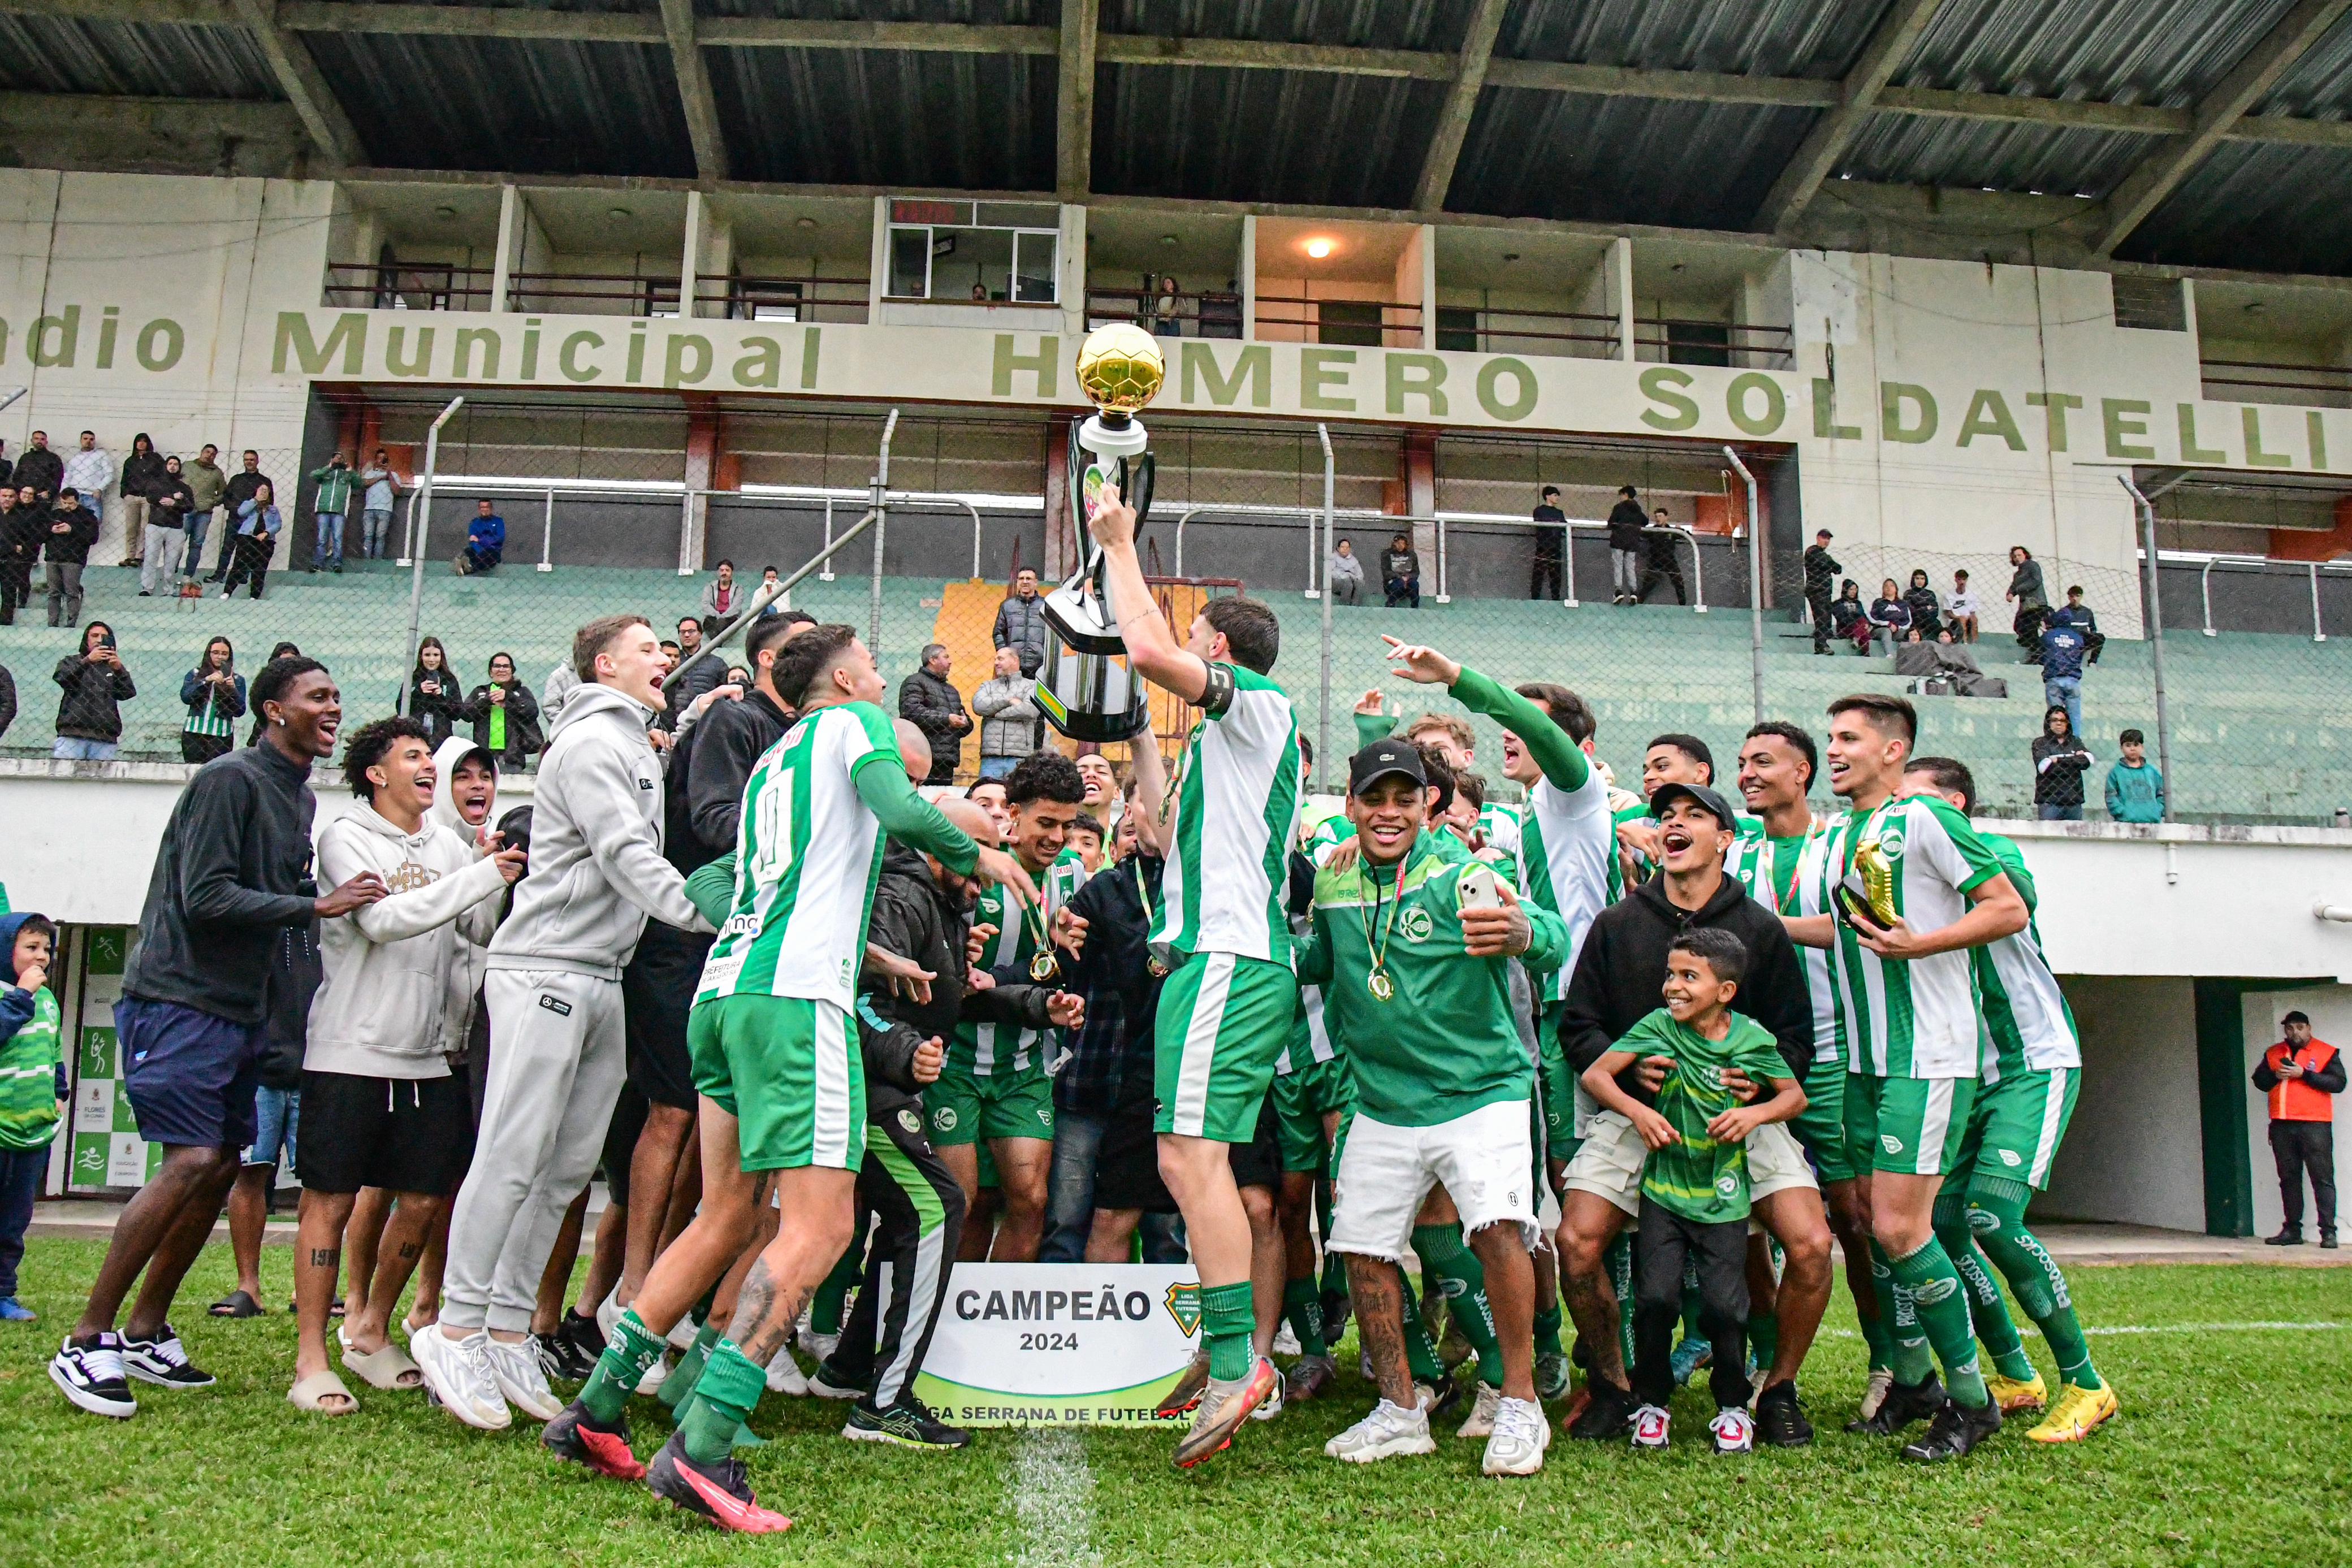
(473, 948)
(596, 865)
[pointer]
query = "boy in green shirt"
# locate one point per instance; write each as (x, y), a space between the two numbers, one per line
(32, 1083)
(1694, 1182)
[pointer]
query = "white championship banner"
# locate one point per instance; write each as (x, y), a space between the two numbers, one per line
(1039, 1345)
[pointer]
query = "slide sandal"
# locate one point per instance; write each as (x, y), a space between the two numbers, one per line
(235, 1304)
(386, 1368)
(313, 1392)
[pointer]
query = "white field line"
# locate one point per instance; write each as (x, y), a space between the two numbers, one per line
(1053, 1494)
(2165, 1328)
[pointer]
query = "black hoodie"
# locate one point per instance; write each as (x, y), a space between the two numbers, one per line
(915, 918)
(1621, 968)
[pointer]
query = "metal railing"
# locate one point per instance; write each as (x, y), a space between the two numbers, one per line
(1588, 334)
(819, 299)
(1568, 601)
(405, 286)
(2264, 566)
(2260, 381)
(1372, 328)
(1210, 313)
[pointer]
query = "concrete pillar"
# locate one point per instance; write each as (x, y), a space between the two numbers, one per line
(511, 218)
(1620, 271)
(1249, 276)
(878, 263)
(704, 432)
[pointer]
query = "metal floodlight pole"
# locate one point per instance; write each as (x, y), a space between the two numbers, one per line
(422, 514)
(1754, 584)
(2151, 592)
(1323, 722)
(878, 504)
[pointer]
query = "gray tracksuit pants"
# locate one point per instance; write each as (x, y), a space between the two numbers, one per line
(558, 1058)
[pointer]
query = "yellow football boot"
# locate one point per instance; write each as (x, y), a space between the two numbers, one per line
(2013, 1395)
(2078, 1413)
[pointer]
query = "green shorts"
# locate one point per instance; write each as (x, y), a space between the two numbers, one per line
(1821, 1126)
(1555, 1090)
(965, 1109)
(2016, 1124)
(1906, 1127)
(790, 1071)
(1301, 1100)
(1223, 1020)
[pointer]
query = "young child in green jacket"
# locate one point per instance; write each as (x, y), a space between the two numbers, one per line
(32, 1084)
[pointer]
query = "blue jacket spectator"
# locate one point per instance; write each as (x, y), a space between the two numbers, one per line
(486, 542)
(2064, 646)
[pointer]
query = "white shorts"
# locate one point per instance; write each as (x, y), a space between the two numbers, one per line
(1609, 1163)
(1485, 1162)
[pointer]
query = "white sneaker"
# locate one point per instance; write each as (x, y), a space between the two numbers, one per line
(1273, 1405)
(1873, 1396)
(1387, 1433)
(817, 1346)
(1734, 1431)
(682, 1332)
(1480, 1422)
(1286, 1342)
(784, 1376)
(1424, 1397)
(1521, 1434)
(1650, 1424)
(458, 1373)
(608, 1312)
(652, 1381)
(516, 1367)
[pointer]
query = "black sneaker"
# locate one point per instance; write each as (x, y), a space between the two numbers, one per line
(2289, 1238)
(908, 1424)
(719, 1492)
(1903, 1405)
(91, 1375)
(1606, 1416)
(827, 1382)
(1956, 1430)
(1337, 1308)
(1780, 1419)
(1448, 1392)
(579, 1436)
(164, 1361)
(560, 1359)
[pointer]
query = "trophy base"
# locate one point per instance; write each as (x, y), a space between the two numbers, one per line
(1109, 441)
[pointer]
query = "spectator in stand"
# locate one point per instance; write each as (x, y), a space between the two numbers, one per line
(505, 717)
(486, 541)
(242, 486)
(258, 524)
(72, 530)
(91, 470)
(330, 504)
(7, 469)
(141, 472)
(94, 686)
(1664, 559)
(2059, 760)
(1890, 616)
(929, 701)
(213, 694)
(1401, 571)
(42, 469)
(382, 492)
(1820, 570)
(721, 600)
(2077, 614)
(1926, 611)
(434, 700)
(1849, 620)
(2032, 601)
(773, 590)
(208, 488)
(169, 502)
(1009, 719)
(702, 674)
(7, 717)
(32, 1089)
(2062, 647)
(21, 531)
(231, 873)
(1551, 543)
(2300, 1076)
(560, 683)
(1346, 574)
(1960, 609)
(1021, 622)
(2134, 787)
(1625, 524)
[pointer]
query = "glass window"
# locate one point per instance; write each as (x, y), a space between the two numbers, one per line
(1033, 268)
(910, 264)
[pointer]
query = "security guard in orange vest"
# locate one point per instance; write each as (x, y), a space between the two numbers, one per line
(2302, 1076)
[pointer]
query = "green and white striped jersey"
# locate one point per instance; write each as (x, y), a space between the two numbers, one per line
(2028, 1024)
(1499, 823)
(1786, 874)
(1063, 878)
(1910, 1018)
(1235, 818)
(984, 1050)
(808, 854)
(1567, 864)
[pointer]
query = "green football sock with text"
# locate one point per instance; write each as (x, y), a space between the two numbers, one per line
(1227, 1321)
(722, 1404)
(1941, 1301)
(1302, 1306)
(1997, 1213)
(633, 1349)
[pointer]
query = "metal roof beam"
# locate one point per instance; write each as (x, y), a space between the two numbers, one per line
(1890, 43)
(694, 92)
(2157, 175)
(1461, 105)
(304, 85)
(468, 21)
(1074, 102)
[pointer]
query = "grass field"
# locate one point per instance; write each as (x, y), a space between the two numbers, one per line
(2235, 1447)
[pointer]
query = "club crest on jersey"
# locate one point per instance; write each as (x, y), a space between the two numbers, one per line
(1416, 924)
(1727, 1184)
(1183, 1304)
(1892, 840)
(909, 1122)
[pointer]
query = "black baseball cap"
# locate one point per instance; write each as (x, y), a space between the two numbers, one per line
(1380, 758)
(1699, 795)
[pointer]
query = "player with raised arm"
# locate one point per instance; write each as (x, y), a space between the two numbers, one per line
(1916, 887)
(2032, 1068)
(1225, 1012)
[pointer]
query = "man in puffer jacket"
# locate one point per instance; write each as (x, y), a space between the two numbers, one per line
(382, 1107)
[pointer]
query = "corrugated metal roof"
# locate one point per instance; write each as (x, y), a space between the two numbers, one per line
(1754, 37)
(2262, 206)
(856, 117)
(1261, 135)
(53, 54)
(1623, 160)
(1362, 23)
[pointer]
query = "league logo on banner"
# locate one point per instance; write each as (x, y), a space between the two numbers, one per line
(1050, 1344)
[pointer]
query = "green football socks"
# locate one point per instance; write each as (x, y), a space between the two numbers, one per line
(722, 1403)
(1906, 1342)
(633, 1349)
(1419, 1351)
(1941, 1302)
(1302, 1307)
(679, 1383)
(1548, 1327)
(1997, 1213)
(1227, 1321)
(1461, 1279)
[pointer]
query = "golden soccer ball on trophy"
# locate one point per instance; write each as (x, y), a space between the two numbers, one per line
(1120, 368)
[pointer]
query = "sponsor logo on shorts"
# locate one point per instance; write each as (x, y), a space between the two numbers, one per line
(944, 1118)
(1416, 924)
(556, 1005)
(2010, 1157)
(1045, 1116)
(1892, 1145)
(911, 1122)
(1936, 1291)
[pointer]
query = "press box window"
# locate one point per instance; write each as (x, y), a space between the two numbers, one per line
(979, 251)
